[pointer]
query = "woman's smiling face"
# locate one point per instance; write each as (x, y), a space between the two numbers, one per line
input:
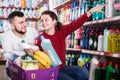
(47, 22)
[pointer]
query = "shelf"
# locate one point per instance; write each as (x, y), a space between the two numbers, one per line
(72, 49)
(2, 61)
(16, 7)
(1, 17)
(106, 22)
(101, 53)
(64, 4)
(41, 3)
(31, 19)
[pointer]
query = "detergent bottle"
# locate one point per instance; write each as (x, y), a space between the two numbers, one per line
(47, 46)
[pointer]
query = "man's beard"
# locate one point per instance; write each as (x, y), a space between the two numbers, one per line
(20, 32)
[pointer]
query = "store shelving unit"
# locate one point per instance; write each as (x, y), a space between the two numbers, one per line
(73, 49)
(97, 23)
(63, 4)
(106, 21)
(41, 3)
(3, 18)
(101, 53)
(13, 7)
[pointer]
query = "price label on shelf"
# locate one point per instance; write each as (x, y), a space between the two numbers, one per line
(115, 55)
(106, 20)
(83, 51)
(116, 18)
(93, 22)
(101, 53)
(92, 52)
(99, 21)
(96, 52)
(87, 51)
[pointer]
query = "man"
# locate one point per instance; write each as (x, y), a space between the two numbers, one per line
(12, 40)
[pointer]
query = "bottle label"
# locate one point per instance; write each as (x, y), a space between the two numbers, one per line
(90, 41)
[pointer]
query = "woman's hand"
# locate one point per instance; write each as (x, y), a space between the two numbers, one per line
(98, 8)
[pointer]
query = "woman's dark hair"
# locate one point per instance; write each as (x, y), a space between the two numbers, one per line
(13, 14)
(58, 25)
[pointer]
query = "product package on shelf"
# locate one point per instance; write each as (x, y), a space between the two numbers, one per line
(18, 73)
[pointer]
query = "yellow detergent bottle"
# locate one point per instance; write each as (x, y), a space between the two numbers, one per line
(119, 43)
(115, 42)
(109, 45)
(118, 40)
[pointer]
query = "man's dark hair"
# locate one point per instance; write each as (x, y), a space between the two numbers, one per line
(13, 14)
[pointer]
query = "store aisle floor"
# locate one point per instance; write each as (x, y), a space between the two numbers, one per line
(3, 75)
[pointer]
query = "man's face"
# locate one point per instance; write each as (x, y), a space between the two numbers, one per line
(19, 25)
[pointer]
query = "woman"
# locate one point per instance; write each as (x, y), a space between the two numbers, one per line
(57, 33)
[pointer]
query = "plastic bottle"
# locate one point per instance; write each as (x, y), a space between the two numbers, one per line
(5, 12)
(68, 59)
(72, 39)
(118, 39)
(98, 72)
(47, 46)
(72, 59)
(75, 10)
(103, 72)
(109, 8)
(26, 13)
(109, 45)
(59, 15)
(80, 61)
(119, 42)
(82, 39)
(17, 3)
(102, 15)
(95, 15)
(100, 42)
(105, 39)
(115, 41)
(109, 70)
(96, 32)
(91, 40)
(9, 10)
(34, 13)
(68, 41)
(94, 61)
(86, 38)
(1, 11)
(87, 61)
(23, 3)
(115, 74)
(11, 3)
(30, 13)
(1, 26)
(76, 56)
(28, 3)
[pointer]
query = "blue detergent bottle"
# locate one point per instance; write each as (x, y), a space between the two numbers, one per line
(47, 46)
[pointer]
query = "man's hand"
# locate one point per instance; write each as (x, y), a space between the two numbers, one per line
(31, 50)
